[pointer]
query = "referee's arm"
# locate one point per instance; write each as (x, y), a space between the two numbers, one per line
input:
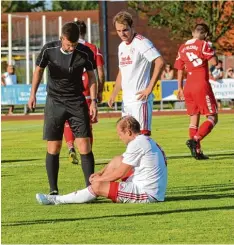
(37, 76)
(93, 94)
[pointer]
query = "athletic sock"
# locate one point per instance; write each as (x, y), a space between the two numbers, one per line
(192, 131)
(204, 130)
(68, 135)
(81, 196)
(52, 168)
(87, 163)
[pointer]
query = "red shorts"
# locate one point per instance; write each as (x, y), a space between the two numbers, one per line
(199, 98)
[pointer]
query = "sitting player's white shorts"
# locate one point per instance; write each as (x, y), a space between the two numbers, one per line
(128, 192)
(142, 112)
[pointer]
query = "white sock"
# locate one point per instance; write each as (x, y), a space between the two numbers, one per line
(81, 196)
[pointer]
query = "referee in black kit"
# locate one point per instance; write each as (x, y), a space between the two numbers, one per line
(66, 60)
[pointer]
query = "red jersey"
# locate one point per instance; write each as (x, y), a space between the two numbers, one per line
(193, 56)
(99, 62)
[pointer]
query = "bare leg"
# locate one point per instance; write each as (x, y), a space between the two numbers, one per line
(11, 109)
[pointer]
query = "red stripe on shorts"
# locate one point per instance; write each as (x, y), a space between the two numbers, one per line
(132, 195)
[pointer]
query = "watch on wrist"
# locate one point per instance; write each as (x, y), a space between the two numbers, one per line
(94, 100)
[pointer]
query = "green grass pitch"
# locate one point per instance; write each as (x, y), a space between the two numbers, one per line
(199, 206)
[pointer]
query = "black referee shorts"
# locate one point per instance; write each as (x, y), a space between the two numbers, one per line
(57, 112)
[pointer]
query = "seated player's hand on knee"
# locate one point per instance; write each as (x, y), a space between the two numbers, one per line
(95, 179)
(92, 176)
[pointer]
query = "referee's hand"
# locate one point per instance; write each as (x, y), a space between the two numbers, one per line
(32, 103)
(93, 110)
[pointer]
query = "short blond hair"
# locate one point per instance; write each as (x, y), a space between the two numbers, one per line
(123, 17)
(129, 123)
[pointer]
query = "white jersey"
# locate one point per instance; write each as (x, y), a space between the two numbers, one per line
(149, 163)
(10, 79)
(135, 61)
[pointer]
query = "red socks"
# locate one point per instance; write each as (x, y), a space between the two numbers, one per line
(68, 135)
(204, 130)
(192, 131)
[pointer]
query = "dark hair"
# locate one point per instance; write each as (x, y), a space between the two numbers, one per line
(123, 17)
(220, 61)
(82, 27)
(129, 123)
(202, 28)
(71, 31)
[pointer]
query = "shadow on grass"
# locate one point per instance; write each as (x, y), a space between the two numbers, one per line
(212, 156)
(47, 221)
(199, 189)
(198, 197)
(20, 160)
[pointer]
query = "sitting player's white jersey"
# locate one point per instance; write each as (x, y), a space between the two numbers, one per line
(134, 63)
(149, 164)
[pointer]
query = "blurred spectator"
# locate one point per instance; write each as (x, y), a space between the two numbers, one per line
(216, 72)
(229, 73)
(168, 72)
(9, 78)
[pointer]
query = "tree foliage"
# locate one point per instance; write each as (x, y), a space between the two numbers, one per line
(22, 6)
(181, 16)
(74, 5)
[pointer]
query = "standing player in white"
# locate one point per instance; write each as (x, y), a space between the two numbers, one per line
(142, 170)
(136, 55)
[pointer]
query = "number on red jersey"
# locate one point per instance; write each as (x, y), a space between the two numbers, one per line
(196, 61)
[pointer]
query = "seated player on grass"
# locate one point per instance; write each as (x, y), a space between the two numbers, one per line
(142, 171)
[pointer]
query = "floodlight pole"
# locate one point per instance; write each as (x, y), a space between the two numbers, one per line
(105, 38)
(60, 26)
(43, 43)
(27, 49)
(26, 40)
(9, 39)
(89, 29)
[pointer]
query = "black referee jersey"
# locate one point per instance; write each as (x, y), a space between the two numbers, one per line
(65, 70)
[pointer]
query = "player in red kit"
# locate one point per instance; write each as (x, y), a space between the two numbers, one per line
(68, 135)
(193, 56)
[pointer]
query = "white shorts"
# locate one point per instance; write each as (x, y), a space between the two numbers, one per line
(128, 192)
(142, 112)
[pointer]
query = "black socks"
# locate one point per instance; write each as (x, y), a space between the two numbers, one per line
(87, 163)
(52, 168)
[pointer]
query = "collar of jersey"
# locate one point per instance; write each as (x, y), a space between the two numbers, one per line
(65, 52)
(132, 39)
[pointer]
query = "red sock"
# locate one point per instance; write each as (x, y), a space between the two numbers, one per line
(68, 135)
(192, 131)
(204, 130)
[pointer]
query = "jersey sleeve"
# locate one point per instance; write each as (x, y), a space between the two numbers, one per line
(179, 63)
(90, 62)
(133, 154)
(42, 59)
(207, 51)
(99, 58)
(148, 50)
